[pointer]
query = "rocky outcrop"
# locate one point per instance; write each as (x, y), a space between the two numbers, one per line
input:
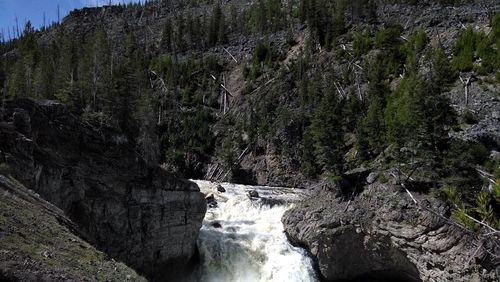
(39, 243)
(132, 211)
(381, 235)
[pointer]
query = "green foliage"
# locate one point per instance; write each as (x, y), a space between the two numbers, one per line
(413, 48)
(217, 28)
(442, 72)
(371, 131)
(484, 209)
(487, 48)
(496, 190)
(266, 16)
(325, 19)
(416, 116)
(362, 43)
(5, 169)
(327, 134)
(472, 45)
(469, 118)
(451, 194)
(464, 49)
(264, 55)
(388, 38)
(461, 215)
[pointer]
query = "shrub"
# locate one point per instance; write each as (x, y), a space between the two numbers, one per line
(469, 118)
(362, 43)
(5, 169)
(389, 37)
(464, 50)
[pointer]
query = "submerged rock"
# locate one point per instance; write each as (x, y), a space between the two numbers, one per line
(216, 224)
(211, 201)
(253, 194)
(221, 189)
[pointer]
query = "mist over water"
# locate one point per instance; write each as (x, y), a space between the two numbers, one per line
(243, 239)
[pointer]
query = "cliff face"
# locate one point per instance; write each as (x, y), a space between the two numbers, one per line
(382, 235)
(39, 243)
(126, 208)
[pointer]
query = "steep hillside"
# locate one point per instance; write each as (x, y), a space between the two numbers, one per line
(39, 242)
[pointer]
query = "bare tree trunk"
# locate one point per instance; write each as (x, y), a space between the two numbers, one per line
(3, 102)
(94, 83)
(224, 93)
(466, 84)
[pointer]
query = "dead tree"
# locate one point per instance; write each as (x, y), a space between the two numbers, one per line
(466, 84)
(159, 83)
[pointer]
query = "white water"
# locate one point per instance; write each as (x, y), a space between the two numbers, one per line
(250, 243)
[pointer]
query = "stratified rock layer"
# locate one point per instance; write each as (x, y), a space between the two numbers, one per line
(130, 210)
(381, 235)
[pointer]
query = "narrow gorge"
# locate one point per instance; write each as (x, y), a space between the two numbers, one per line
(250, 140)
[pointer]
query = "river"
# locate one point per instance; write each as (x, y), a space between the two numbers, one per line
(242, 238)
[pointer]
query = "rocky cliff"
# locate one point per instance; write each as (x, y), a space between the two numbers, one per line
(132, 211)
(381, 235)
(39, 243)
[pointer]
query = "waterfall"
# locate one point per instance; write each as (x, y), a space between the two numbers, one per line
(242, 238)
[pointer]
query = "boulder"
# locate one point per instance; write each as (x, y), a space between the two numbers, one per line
(221, 189)
(253, 194)
(211, 201)
(371, 177)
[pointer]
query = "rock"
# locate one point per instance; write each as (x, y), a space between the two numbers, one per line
(371, 177)
(211, 201)
(494, 155)
(216, 224)
(221, 189)
(253, 194)
(25, 255)
(380, 237)
(21, 121)
(130, 210)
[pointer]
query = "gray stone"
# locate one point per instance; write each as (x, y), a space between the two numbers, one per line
(253, 194)
(221, 189)
(131, 210)
(371, 177)
(383, 235)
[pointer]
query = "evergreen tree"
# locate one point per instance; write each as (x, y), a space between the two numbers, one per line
(327, 134)
(96, 70)
(417, 116)
(65, 73)
(166, 39)
(215, 25)
(442, 73)
(371, 131)
(44, 77)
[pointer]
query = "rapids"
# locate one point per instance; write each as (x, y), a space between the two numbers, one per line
(242, 238)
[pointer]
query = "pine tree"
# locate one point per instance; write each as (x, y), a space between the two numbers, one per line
(65, 73)
(96, 70)
(43, 77)
(327, 134)
(371, 131)
(442, 73)
(166, 39)
(215, 25)
(417, 116)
